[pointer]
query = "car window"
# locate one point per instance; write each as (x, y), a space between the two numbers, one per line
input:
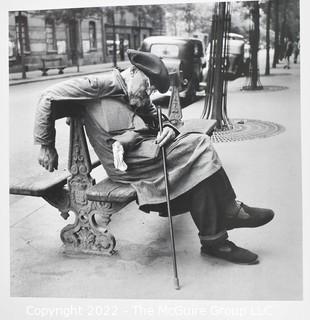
(165, 50)
(197, 49)
(236, 46)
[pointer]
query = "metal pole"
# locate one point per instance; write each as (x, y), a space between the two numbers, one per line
(175, 271)
(103, 38)
(255, 46)
(78, 42)
(114, 40)
(21, 44)
(174, 109)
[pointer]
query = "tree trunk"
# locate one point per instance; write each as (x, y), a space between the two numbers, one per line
(276, 35)
(254, 45)
(218, 74)
(283, 31)
(267, 68)
(215, 106)
(74, 40)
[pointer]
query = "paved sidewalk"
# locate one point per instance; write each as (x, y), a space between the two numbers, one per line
(264, 172)
(36, 75)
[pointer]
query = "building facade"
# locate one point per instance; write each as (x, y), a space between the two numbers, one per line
(77, 37)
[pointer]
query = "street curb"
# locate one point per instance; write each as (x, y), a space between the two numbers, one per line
(68, 75)
(54, 77)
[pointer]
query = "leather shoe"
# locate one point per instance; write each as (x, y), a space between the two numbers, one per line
(228, 251)
(248, 217)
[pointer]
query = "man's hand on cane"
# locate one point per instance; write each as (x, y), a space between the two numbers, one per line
(165, 136)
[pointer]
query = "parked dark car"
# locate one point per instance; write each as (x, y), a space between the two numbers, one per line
(184, 55)
(236, 56)
(237, 64)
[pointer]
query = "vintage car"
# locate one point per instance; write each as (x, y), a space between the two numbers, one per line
(182, 55)
(236, 55)
(236, 63)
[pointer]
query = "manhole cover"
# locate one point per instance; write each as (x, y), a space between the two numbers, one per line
(264, 89)
(247, 129)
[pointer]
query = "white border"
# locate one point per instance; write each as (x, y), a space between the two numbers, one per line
(16, 308)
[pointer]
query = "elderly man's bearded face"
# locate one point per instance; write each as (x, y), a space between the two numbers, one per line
(139, 88)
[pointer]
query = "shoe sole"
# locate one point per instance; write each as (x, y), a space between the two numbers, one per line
(232, 226)
(241, 263)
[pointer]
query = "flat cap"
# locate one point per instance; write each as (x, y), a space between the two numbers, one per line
(152, 66)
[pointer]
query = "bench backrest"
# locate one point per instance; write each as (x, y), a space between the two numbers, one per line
(52, 62)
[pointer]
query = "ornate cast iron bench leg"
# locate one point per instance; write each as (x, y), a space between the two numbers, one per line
(89, 232)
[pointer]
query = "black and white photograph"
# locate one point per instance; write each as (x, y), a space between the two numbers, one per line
(156, 160)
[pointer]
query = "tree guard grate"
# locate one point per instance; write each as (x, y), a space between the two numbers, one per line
(247, 129)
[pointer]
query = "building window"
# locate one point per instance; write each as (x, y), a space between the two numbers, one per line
(109, 45)
(50, 35)
(123, 18)
(143, 22)
(21, 24)
(110, 17)
(124, 44)
(92, 35)
(12, 49)
(136, 41)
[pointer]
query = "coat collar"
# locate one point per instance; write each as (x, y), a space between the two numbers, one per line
(121, 81)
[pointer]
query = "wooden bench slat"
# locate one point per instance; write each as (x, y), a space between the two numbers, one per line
(39, 185)
(108, 190)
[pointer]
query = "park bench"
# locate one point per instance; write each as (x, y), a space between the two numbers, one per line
(52, 63)
(76, 191)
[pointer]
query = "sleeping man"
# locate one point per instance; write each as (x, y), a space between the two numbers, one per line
(122, 126)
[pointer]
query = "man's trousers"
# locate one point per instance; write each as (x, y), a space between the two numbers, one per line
(207, 203)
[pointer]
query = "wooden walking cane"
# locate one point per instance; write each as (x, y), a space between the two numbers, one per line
(175, 271)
